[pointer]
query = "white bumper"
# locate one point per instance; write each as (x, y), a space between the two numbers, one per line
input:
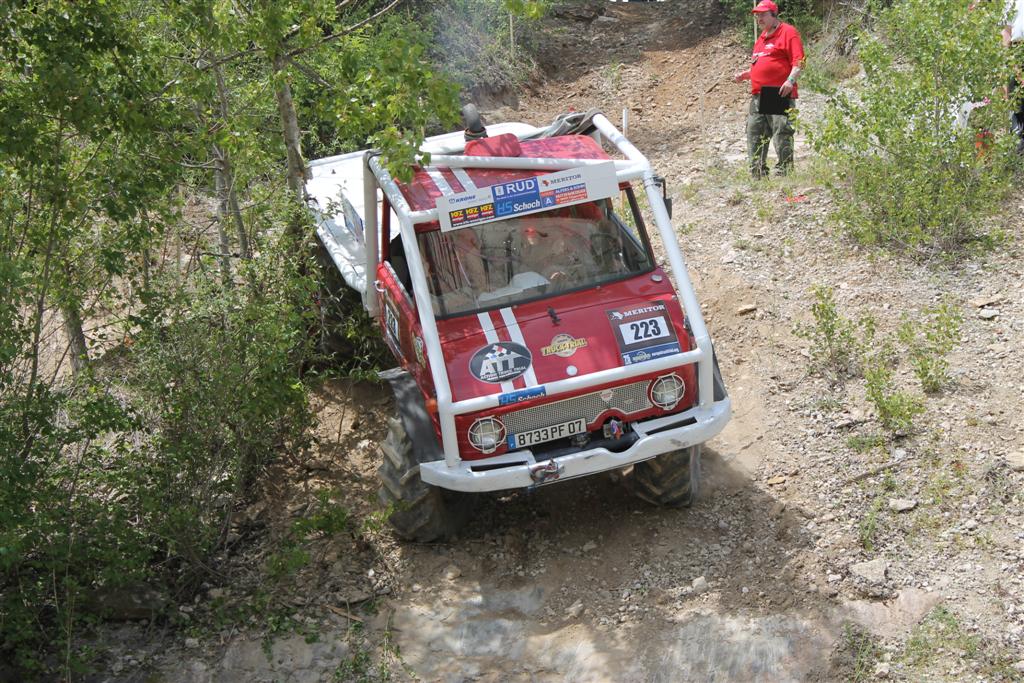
(521, 469)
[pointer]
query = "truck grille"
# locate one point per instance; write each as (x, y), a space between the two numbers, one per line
(627, 399)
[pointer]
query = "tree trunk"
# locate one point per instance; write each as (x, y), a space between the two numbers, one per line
(222, 210)
(227, 173)
(76, 337)
(292, 134)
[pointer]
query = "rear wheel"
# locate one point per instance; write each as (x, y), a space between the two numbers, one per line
(669, 480)
(421, 512)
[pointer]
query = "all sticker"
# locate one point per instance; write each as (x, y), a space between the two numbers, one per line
(500, 362)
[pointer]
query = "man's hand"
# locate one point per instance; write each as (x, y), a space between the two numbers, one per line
(785, 89)
(741, 76)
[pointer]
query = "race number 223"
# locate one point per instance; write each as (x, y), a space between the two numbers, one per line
(643, 330)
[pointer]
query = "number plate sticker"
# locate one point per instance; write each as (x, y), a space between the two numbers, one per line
(535, 436)
(643, 332)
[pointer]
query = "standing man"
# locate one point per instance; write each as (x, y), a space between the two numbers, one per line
(776, 62)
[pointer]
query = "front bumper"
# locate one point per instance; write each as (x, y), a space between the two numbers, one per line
(521, 469)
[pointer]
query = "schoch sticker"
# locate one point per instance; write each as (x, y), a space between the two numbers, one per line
(500, 362)
(521, 395)
(643, 332)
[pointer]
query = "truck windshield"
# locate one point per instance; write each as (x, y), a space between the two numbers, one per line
(529, 257)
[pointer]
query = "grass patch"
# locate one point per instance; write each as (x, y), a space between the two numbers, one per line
(939, 633)
(863, 443)
(856, 655)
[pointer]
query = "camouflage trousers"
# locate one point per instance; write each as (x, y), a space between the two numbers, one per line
(762, 128)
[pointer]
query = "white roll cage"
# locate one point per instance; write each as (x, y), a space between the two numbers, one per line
(634, 167)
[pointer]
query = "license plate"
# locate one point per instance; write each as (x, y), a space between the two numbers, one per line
(535, 436)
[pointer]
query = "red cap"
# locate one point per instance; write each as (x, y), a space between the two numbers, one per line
(765, 6)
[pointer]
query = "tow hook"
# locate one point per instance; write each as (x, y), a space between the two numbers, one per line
(546, 471)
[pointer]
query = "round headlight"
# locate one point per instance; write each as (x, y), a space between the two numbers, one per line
(487, 434)
(667, 391)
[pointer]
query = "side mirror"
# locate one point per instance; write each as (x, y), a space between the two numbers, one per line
(660, 182)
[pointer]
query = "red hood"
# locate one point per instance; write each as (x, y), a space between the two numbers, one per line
(580, 334)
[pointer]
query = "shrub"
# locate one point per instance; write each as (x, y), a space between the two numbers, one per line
(929, 342)
(896, 409)
(126, 476)
(905, 175)
(836, 341)
(216, 382)
(841, 349)
(473, 43)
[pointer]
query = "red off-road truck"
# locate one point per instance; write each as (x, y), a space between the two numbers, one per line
(538, 337)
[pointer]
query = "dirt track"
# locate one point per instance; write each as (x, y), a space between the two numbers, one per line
(765, 579)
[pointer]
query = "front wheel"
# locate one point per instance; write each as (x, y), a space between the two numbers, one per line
(669, 480)
(420, 512)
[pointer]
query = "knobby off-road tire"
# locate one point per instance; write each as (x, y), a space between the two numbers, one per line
(669, 480)
(422, 513)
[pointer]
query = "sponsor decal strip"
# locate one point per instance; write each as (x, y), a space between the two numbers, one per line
(516, 334)
(492, 338)
(526, 195)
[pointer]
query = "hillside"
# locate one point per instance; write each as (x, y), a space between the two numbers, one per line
(820, 551)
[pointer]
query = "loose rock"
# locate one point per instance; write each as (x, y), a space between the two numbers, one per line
(902, 504)
(1016, 461)
(872, 571)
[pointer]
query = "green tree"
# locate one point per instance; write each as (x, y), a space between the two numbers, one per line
(905, 174)
(118, 121)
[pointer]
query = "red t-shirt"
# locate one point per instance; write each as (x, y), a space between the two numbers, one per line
(774, 57)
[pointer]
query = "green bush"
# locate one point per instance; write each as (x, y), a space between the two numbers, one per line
(124, 479)
(472, 42)
(905, 175)
(836, 341)
(929, 342)
(895, 409)
(216, 380)
(841, 349)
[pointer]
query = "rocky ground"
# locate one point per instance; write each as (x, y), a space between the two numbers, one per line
(822, 549)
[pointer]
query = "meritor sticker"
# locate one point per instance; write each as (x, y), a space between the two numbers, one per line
(643, 332)
(500, 362)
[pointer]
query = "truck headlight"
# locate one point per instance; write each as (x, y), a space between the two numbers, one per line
(667, 391)
(487, 434)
